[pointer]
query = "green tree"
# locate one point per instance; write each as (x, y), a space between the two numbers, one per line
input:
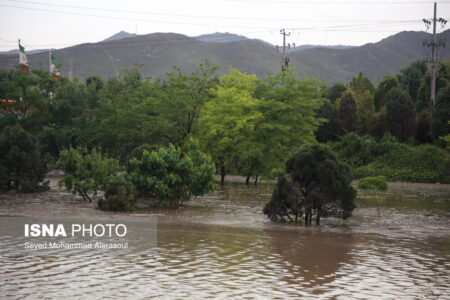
(178, 109)
(22, 166)
(335, 92)
(400, 114)
(86, 172)
(423, 127)
(347, 112)
(386, 84)
(228, 120)
(317, 184)
(411, 77)
(330, 129)
(173, 176)
(441, 113)
(363, 92)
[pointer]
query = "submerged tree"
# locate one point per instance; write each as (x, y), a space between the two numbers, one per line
(317, 184)
(21, 165)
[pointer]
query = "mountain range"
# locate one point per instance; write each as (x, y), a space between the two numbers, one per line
(157, 53)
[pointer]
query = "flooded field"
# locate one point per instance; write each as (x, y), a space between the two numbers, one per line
(396, 246)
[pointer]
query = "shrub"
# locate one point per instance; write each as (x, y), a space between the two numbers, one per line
(172, 175)
(86, 172)
(372, 183)
(120, 194)
(22, 167)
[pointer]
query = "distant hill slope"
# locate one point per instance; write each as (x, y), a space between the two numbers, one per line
(159, 52)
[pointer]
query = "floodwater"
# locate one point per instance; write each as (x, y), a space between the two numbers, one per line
(396, 246)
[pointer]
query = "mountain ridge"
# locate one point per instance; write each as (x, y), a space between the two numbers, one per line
(157, 53)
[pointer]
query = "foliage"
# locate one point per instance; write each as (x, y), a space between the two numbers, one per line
(86, 172)
(441, 113)
(400, 114)
(386, 84)
(423, 127)
(329, 130)
(171, 175)
(21, 165)
(120, 194)
(372, 183)
(411, 77)
(347, 113)
(335, 92)
(424, 163)
(317, 184)
(363, 92)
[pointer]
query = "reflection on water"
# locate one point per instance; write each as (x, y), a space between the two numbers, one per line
(222, 246)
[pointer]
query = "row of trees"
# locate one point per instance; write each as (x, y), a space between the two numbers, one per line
(399, 106)
(248, 126)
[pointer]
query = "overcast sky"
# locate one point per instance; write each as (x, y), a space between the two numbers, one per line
(62, 23)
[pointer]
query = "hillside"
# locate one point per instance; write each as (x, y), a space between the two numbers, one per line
(159, 52)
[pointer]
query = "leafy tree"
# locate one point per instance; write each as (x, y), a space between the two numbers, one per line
(441, 113)
(423, 127)
(400, 114)
(411, 77)
(21, 165)
(288, 106)
(86, 172)
(173, 176)
(363, 92)
(317, 184)
(178, 109)
(347, 113)
(386, 84)
(335, 92)
(120, 194)
(330, 129)
(378, 123)
(424, 92)
(229, 119)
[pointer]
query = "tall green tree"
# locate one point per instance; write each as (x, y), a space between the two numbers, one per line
(441, 113)
(347, 112)
(363, 92)
(229, 119)
(400, 114)
(411, 77)
(386, 84)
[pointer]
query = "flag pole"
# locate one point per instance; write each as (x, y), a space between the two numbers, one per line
(20, 88)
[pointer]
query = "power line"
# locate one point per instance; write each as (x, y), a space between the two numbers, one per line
(191, 16)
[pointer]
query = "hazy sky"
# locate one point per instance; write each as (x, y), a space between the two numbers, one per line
(62, 23)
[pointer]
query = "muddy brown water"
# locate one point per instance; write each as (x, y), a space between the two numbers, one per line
(396, 246)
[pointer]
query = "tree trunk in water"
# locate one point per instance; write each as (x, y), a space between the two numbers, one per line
(222, 175)
(247, 180)
(256, 180)
(318, 217)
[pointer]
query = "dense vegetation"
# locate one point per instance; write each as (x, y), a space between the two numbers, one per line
(316, 184)
(239, 124)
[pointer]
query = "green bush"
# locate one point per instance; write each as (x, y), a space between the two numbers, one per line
(86, 172)
(120, 194)
(173, 175)
(22, 167)
(372, 183)
(396, 161)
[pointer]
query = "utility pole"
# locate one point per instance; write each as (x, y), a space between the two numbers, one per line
(434, 44)
(433, 63)
(285, 62)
